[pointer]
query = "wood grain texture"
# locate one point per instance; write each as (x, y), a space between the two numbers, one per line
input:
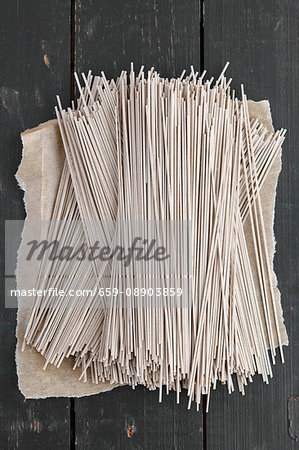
(111, 34)
(108, 36)
(34, 39)
(261, 41)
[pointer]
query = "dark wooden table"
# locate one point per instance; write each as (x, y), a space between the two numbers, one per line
(42, 43)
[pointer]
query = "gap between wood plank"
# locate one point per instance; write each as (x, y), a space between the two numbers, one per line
(72, 97)
(202, 18)
(202, 68)
(72, 424)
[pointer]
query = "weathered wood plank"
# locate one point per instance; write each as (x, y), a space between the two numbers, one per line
(108, 36)
(134, 419)
(160, 33)
(35, 66)
(261, 40)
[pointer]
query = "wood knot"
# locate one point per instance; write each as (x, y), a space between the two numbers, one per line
(130, 431)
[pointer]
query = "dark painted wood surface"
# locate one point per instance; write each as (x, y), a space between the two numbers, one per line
(261, 41)
(41, 43)
(109, 35)
(35, 54)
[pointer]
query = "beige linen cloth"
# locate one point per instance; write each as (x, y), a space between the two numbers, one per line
(38, 175)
